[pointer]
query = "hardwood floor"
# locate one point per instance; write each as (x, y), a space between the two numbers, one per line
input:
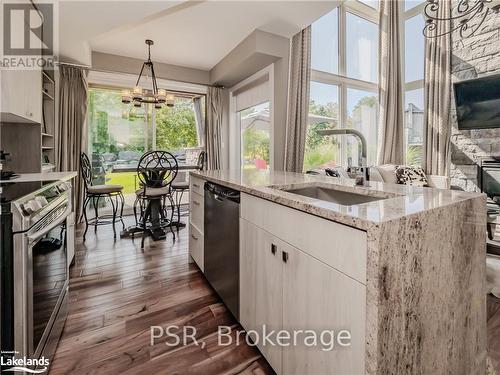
(117, 292)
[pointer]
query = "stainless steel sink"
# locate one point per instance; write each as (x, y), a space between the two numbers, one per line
(334, 196)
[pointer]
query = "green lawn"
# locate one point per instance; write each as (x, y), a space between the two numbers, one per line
(126, 179)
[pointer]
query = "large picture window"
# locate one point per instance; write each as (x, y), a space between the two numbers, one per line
(118, 134)
(413, 60)
(344, 61)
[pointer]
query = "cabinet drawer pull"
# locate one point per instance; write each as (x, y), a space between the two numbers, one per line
(196, 185)
(273, 249)
(194, 237)
(284, 256)
(196, 203)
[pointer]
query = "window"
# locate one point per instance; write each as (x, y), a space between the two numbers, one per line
(410, 4)
(414, 51)
(251, 125)
(325, 43)
(414, 125)
(343, 93)
(362, 115)
(361, 48)
(323, 114)
(413, 60)
(119, 134)
(255, 137)
(370, 3)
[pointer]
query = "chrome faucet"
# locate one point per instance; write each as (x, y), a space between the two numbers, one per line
(362, 141)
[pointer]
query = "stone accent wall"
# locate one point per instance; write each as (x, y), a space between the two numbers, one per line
(473, 57)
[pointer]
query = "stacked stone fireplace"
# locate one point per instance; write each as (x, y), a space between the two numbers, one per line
(473, 57)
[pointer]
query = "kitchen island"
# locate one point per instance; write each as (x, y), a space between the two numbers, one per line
(402, 268)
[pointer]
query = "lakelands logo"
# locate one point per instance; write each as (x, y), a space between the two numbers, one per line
(24, 364)
(28, 35)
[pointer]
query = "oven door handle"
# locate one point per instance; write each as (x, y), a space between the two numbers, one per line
(35, 236)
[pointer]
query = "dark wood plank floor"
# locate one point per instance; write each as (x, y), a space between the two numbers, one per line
(117, 292)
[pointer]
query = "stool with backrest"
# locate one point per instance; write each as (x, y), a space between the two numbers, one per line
(156, 171)
(94, 193)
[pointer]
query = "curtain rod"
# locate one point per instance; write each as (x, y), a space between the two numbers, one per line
(73, 64)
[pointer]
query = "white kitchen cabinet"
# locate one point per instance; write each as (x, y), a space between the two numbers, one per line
(318, 297)
(196, 209)
(196, 220)
(283, 287)
(340, 246)
(21, 91)
(21, 96)
(261, 286)
(196, 246)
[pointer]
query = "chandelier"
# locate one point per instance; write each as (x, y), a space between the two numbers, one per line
(467, 17)
(155, 96)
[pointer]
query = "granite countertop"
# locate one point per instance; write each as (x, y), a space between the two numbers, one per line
(400, 200)
(43, 177)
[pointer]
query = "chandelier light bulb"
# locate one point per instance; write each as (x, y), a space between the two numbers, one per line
(126, 97)
(137, 93)
(162, 95)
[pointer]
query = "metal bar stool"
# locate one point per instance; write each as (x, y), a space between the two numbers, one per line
(94, 193)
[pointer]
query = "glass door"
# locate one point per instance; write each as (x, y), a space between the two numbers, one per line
(255, 137)
(118, 135)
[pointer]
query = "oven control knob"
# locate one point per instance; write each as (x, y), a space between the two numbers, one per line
(63, 187)
(27, 208)
(42, 201)
(32, 206)
(36, 204)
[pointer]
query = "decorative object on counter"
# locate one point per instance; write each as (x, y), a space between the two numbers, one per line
(155, 96)
(410, 175)
(468, 16)
(387, 173)
(94, 193)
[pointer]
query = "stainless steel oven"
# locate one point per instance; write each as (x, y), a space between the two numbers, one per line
(40, 264)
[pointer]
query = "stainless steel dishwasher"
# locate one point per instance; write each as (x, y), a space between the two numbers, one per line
(222, 229)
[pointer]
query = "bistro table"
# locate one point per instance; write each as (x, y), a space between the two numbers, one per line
(157, 232)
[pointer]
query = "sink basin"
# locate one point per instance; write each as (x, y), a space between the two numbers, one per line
(334, 196)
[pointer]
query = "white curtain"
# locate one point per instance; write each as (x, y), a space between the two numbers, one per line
(213, 131)
(298, 101)
(72, 126)
(391, 124)
(437, 94)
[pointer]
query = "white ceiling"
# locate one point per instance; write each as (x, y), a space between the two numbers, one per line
(196, 34)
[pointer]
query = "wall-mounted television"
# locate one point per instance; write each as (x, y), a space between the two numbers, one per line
(478, 103)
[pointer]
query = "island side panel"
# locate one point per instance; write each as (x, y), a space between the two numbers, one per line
(426, 301)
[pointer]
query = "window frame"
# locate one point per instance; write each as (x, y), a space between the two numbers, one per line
(122, 81)
(234, 135)
(341, 80)
(416, 84)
